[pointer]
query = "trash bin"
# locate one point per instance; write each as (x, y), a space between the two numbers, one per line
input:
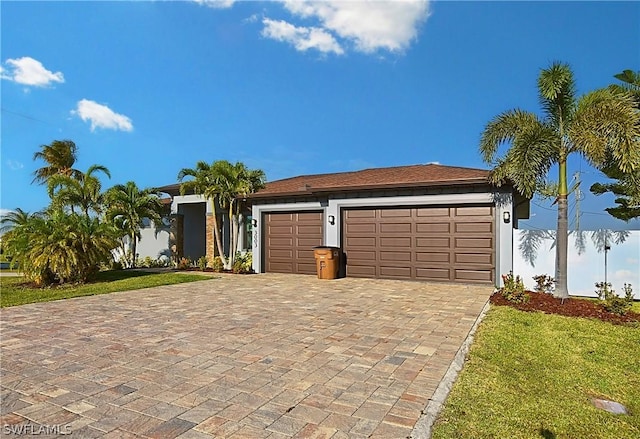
(327, 262)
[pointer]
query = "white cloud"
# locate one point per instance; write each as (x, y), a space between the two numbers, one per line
(29, 71)
(218, 4)
(14, 165)
(370, 25)
(302, 38)
(102, 116)
(5, 212)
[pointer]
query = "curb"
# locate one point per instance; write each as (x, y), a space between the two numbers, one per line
(423, 428)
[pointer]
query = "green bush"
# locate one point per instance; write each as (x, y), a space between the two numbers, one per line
(202, 263)
(217, 264)
(544, 283)
(513, 289)
(611, 301)
(243, 263)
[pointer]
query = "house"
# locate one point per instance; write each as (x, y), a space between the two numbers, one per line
(422, 222)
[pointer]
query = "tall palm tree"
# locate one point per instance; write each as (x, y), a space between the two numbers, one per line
(128, 206)
(84, 191)
(204, 183)
(226, 185)
(235, 183)
(60, 156)
(599, 125)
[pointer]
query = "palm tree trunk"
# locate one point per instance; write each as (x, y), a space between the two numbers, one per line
(216, 234)
(133, 250)
(562, 233)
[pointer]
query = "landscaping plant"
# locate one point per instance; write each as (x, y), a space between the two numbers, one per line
(513, 289)
(544, 283)
(611, 301)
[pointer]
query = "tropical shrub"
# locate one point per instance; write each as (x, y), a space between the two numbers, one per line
(544, 283)
(243, 263)
(217, 264)
(56, 246)
(513, 289)
(611, 301)
(202, 263)
(184, 264)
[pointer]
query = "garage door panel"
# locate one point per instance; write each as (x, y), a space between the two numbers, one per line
(474, 258)
(433, 228)
(315, 230)
(474, 243)
(361, 242)
(289, 241)
(361, 228)
(280, 253)
(281, 230)
(433, 242)
(395, 213)
(432, 211)
(473, 275)
(367, 256)
(395, 272)
(361, 214)
(362, 271)
(395, 242)
(474, 227)
(280, 242)
(426, 243)
(439, 274)
(395, 228)
(474, 211)
(433, 257)
(395, 256)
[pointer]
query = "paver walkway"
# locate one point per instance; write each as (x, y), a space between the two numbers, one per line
(264, 356)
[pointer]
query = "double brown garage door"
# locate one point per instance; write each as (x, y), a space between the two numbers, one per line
(421, 243)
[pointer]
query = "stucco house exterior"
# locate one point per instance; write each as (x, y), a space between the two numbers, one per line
(421, 222)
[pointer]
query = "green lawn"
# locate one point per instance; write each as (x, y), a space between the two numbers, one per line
(13, 293)
(532, 375)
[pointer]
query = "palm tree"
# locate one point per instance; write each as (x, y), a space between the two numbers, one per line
(128, 206)
(84, 192)
(204, 183)
(599, 125)
(60, 156)
(226, 185)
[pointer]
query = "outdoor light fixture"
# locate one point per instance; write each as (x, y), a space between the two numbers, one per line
(254, 222)
(332, 219)
(506, 216)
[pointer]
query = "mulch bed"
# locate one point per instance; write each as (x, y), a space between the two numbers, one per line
(571, 307)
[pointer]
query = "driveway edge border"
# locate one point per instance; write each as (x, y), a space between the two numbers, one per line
(423, 428)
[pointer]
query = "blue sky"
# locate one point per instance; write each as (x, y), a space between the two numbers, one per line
(147, 88)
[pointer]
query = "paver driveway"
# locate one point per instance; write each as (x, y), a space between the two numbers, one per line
(240, 356)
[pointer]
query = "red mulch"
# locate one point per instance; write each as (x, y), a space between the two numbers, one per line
(571, 307)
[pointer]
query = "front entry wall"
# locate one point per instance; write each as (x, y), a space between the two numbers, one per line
(289, 241)
(443, 243)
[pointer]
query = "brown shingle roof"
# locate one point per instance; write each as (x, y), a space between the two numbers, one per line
(376, 178)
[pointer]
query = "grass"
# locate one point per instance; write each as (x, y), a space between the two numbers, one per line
(532, 375)
(13, 292)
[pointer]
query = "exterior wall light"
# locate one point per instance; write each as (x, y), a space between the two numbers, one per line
(332, 219)
(506, 217)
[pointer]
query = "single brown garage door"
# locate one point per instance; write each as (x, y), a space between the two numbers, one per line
(289, 241)
(421, 243)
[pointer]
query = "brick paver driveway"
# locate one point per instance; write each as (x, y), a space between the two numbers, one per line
(240, 356)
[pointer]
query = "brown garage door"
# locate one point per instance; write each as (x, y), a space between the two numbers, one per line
(422, 243)
(289, 241)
